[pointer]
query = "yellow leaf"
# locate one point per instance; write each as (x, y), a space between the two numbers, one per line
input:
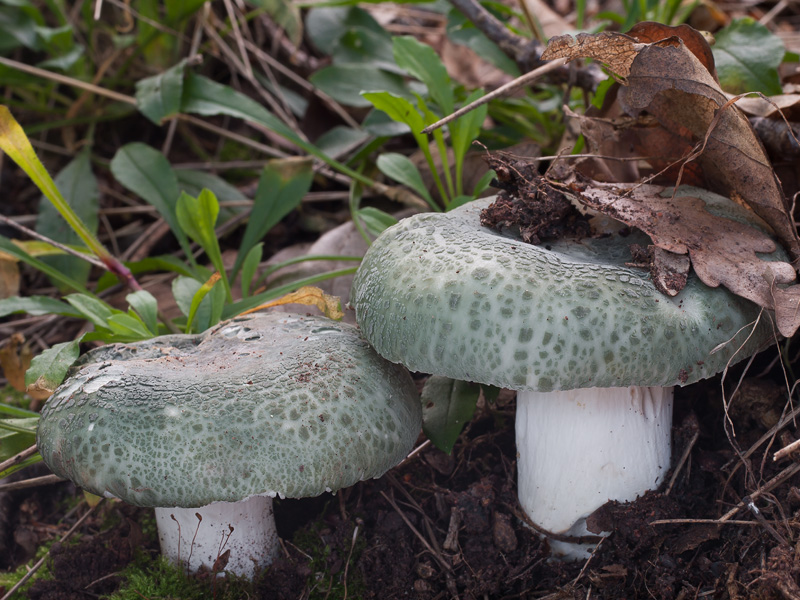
(92, 499)
(331, 306)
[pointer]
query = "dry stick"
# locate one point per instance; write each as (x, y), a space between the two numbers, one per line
(64, 248)
(15, 460)
(416, 532)
(700, 522)
(29, 483)
(786, 450)
(682, 461)
(504, 90)
(44, 74)
(40, 562)
(772, 483)
(237, 35)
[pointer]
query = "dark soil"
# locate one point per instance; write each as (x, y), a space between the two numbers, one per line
(447, 526)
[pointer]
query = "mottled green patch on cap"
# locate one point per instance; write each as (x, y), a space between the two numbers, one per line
(530, 318)
(268, 403)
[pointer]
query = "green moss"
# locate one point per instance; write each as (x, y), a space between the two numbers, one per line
(155, 577)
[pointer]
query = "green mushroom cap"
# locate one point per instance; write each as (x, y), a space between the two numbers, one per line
(441, 294)
(270, 404)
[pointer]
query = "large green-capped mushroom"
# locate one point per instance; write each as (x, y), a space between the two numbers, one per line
(218, 424)
(590, 345)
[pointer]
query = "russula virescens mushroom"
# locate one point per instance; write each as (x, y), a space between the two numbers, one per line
(218, 424)
(592, 348)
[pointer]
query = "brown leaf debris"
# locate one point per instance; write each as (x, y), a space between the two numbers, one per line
(722, 251)
(615, 50)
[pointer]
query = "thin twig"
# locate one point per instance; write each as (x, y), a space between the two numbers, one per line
(504, 90)
(57, 77)
(29, 483)
(18, 458)
(786, 450)
(64, 248)
(775, 481)
(682, 461)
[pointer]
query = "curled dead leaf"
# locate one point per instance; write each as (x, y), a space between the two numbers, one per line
(695, 42)
(723, 251)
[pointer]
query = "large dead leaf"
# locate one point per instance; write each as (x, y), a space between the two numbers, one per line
(722, 250)
(667, 81)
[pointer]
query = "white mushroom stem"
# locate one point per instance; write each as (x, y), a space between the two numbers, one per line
(579, 449)
(246, 528)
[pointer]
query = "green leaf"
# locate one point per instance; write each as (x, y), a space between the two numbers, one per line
(17, 146)
(249, 267)
(401, 110)
(447, 405)
(49, 368)
(147, 173)
(345, 83)
(17, 435)
(36, 305)
(205, 97)
(462, 31)
(79, 188)
(128, 328)
(184, 290)
(159, 97)
(401, 169)
(193, 182)
(16, 411)
(360, 45)
(747, 57)
(198, 217)
(92, 309)
(146, 306)
(422, 62)
(325, 26)
(216, 303)
(282, 185)
(375, 220)
(17, 28)
(341, 139)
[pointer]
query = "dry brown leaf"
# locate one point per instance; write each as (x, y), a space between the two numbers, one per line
(667, 80)
(722, 251)
(615, 50)
(672, 85)
(695, 42)
(15, 358)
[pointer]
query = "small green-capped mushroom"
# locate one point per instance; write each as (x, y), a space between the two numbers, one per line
(441, 294)
(263, 405)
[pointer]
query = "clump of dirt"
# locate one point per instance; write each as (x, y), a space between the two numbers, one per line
(529, 205)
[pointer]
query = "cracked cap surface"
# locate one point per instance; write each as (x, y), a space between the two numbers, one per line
(441, 294)
(263, 404)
